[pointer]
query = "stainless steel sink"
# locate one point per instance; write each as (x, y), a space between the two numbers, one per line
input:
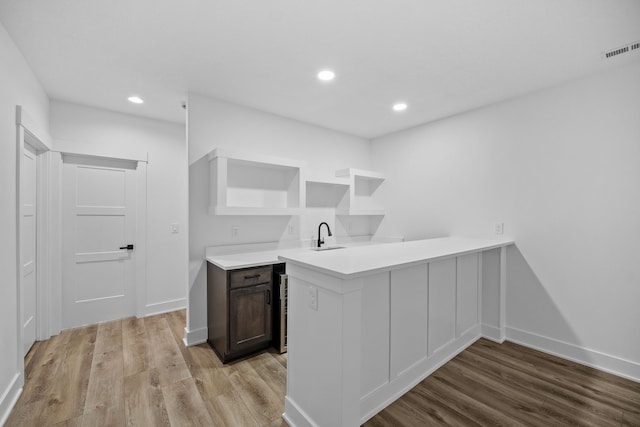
(327, 248)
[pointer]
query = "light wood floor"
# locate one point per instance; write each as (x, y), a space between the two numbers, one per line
(137, 372)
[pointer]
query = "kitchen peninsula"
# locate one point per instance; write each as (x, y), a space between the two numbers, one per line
(368, 323)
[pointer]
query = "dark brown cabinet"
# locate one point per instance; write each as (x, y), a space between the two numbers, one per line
(239, 310)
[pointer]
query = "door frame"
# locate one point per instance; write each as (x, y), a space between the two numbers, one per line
(29, 133)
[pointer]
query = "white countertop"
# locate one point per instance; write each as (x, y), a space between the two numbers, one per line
(253, 255)
(349, 263)
(250, 259)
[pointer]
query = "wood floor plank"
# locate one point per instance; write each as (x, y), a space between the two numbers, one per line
(212, 382)
(73, 422)
(144, 401)
(278, 423)
(571, 368)
(504, 383)
(166, 354)
(136, 349)
(28, 414)
(176, 321)
(42, 369)
(382, 419)
(629, 419)
(185, 406)
(547, 384)
(272, 372)
(69, 390)
(33, 357)
(403, 414)
(282, 358)
(105, 391)
(566, 373)
(229, 410)
(526, 405)
(505, 409)
(264, 404)
(421, 397)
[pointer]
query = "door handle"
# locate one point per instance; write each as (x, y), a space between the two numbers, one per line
(128, 247)
(268, 297)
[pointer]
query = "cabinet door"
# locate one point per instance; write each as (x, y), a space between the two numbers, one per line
(249, 316)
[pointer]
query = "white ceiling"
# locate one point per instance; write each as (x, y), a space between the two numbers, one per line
(440, 56)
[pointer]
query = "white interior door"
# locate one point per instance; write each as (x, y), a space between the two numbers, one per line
(99, 219)
(28, 260)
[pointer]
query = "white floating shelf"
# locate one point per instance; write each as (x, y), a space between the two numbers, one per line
(241, 210)
(362, 187)
(337, 181)
(364, 174)
(244, 183)
(360, 212)
(327, 192)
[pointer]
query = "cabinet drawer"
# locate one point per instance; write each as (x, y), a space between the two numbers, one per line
(250, 277)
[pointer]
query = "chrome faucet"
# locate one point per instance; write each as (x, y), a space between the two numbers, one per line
(321, 241)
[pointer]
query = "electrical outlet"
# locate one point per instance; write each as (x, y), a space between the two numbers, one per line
(313, 298)
(235, 231)
(499, 228)
(175, 229)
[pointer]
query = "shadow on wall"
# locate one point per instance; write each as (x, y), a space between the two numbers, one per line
(534, 319)
(357, 225)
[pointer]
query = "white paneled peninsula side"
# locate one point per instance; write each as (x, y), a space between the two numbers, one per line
(366, 324)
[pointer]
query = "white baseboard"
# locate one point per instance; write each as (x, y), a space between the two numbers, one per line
(9, 398)
(165, 307)
(491, 333)
(592, 358)
(296, 416)
(195, 337)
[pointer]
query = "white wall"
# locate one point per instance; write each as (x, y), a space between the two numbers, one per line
(212, 124)
(561, 169)
(18, 86)
(105, 133)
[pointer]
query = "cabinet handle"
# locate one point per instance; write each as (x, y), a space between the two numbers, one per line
(268, 297)
(253, 276)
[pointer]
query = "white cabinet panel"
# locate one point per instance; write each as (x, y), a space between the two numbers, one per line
(375, 333)
(442, 303)
(467, 293)
(491, 288)
(409, 293)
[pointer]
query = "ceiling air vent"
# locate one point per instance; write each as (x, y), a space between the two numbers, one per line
(631, 47)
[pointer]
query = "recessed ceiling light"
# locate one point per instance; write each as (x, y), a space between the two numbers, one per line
(399, 106)
(326, 75)
(135, 99)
